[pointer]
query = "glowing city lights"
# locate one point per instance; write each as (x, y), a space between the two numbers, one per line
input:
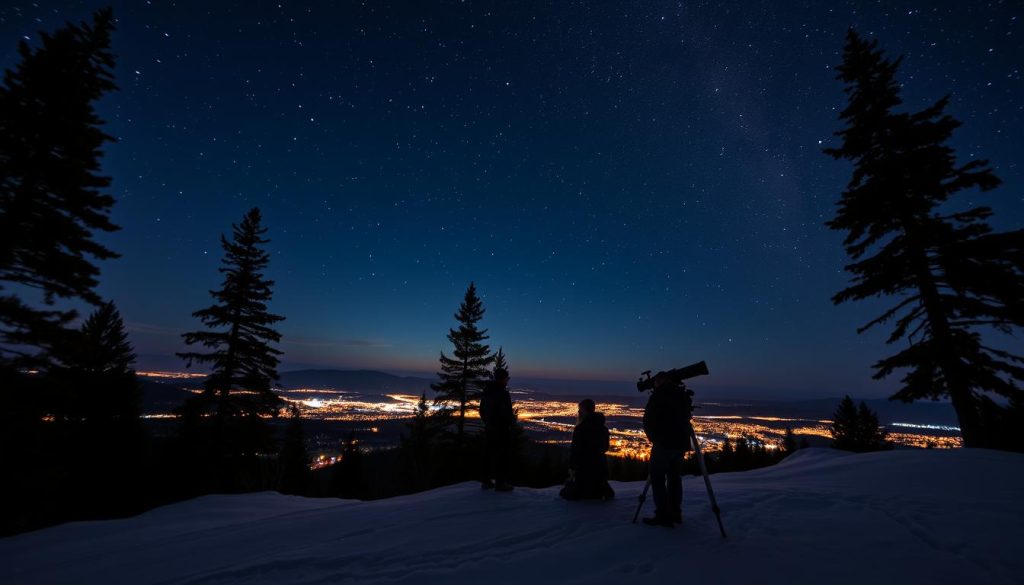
(552, 421)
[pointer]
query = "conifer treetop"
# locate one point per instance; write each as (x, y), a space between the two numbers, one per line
(470, 355)
(882, 197)
(464, 374)
(951, 275)
(500, 363)
(239, 323)
(104, 345)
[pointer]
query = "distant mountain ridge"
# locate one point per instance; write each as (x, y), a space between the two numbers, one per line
(377, 381)
(355, 380)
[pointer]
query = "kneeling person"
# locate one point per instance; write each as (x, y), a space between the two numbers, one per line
(588, 466)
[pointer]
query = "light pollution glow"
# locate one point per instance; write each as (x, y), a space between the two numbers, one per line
(558, 417)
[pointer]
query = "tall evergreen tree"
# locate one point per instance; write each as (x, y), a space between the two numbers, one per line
(743, 456)
(500, 363)
(873, 433)
(422, 427)
(422, 408)
(727, 456)
(845, 430)
(96, 370)
(295, 476)
(463, 375)
(96, 407)
(347, 479)
(855, 428)
(952, 274)
(789, 444)
(240, 333)
(52, 195)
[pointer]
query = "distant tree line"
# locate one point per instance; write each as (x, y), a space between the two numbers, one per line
(857, 429)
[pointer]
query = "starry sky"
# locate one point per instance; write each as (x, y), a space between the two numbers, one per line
(631, 185)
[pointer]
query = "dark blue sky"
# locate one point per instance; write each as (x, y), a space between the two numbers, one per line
(631, 185)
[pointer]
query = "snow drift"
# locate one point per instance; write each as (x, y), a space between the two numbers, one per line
(821, 515)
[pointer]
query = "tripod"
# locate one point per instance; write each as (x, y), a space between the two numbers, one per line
(707, 483)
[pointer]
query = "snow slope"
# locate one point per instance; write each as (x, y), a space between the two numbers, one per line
(897, 517)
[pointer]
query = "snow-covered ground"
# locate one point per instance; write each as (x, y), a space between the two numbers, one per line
(903, 517)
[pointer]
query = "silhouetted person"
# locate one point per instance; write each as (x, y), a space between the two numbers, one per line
(667, 425)
(588, 466)
(498, 418)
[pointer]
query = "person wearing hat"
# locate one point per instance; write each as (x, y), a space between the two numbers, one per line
(667, 426)
(499, 420)
(588, 465)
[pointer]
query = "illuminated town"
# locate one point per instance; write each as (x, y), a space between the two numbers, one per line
(159, 375)
(552, 421)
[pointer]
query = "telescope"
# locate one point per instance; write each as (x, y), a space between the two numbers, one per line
(675, 376)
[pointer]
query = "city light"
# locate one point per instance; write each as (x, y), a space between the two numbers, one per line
(552, 421)
(929, 427)
(171, 375)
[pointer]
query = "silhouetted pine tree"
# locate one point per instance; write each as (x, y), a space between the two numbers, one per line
(952, 274)
(97, 411)
(727, 456)
(874, 434)
(347, 479)
(845, 428)
(743, 458)
(500, 363)
(463, 375)
(423, 429)
(96, 370)
(51, 192)
(856, 428)
(240, 332)
(789, 441)
(293, 459)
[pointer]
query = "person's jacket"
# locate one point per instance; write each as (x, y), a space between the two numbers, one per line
(590, 441)
(496, 407)
(667, 418)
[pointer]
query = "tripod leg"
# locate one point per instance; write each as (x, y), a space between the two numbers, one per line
(707, 480)
(643, 498)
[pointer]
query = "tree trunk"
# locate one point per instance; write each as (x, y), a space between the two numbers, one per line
(229, 369)
(462, 410)
(462, 400)
(956, 386)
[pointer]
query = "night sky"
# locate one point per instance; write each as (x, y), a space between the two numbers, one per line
(631, 185)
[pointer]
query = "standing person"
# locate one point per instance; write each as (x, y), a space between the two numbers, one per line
(667, 425)
(588, 465)
(498, 418)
